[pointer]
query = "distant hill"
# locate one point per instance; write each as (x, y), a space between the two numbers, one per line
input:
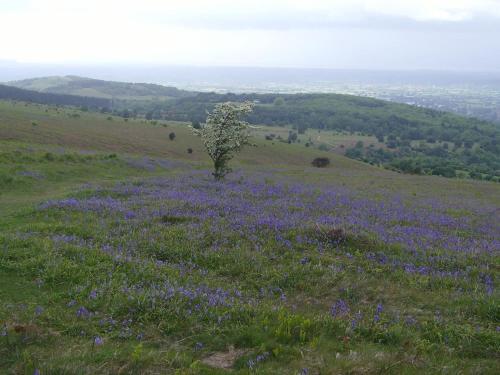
(89, 87)
(14, 93)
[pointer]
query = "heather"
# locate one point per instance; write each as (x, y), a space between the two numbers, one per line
(288, 271)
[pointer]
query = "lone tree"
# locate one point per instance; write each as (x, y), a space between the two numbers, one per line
(224, 134)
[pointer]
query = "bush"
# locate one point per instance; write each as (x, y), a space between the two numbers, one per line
(171, 136)
(321, 162)
(190, 150)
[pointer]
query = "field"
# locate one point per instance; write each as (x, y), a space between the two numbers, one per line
(120, 254)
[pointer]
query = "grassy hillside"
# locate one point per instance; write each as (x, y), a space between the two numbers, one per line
(120, 254)
(409, 139)
(74, 85)
(17, 94)
(87, 130)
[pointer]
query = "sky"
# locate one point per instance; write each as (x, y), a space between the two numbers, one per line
(340, 34)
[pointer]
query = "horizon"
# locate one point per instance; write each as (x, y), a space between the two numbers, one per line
(189, 75)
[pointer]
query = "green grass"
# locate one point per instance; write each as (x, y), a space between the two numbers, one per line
(86, 156)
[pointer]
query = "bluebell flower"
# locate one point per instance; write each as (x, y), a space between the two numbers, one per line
(38, 310)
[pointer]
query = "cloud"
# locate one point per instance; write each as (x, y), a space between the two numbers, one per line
(333, 33)
(277, 14)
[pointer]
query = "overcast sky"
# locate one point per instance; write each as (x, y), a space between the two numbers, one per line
(366, 34)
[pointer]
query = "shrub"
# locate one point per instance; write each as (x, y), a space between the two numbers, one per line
(173, 220)
(171, 136)
(190, 150)
(49, 156)
(321, 162)
(335, 236)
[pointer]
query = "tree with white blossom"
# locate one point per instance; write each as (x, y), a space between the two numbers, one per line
(224, 134)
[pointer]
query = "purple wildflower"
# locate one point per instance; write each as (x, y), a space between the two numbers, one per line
(339, 308)
(82, 312)
(198, 346)
(261, 357)
(38, 310)
(379, 309)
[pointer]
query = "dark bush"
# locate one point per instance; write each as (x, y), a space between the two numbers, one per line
(190, 150)
(171, 136)
(49, 156)
(334, 236)
(173, 220)
(321, 162)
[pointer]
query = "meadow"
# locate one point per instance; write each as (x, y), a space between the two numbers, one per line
(120, 254)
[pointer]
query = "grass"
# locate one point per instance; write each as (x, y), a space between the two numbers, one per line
(109, 231)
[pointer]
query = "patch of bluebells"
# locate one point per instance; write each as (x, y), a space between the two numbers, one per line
(83, 313)
(257, 211)
(198, 346)
(256, 206)
(252, 363)
(378, 311)
(339, 309)
(39, 310)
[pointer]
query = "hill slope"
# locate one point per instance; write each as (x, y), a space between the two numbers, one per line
(14, 93)
(74, 85)
(118, 263)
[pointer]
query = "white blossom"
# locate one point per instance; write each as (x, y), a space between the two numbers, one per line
(224, 134)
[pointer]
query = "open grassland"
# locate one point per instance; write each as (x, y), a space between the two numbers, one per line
(120, 254)
(93, 131)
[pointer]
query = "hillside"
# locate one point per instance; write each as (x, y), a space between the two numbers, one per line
(120, 254)
(409, 139)
(415, 140)
(30, 96)
(74, 85)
